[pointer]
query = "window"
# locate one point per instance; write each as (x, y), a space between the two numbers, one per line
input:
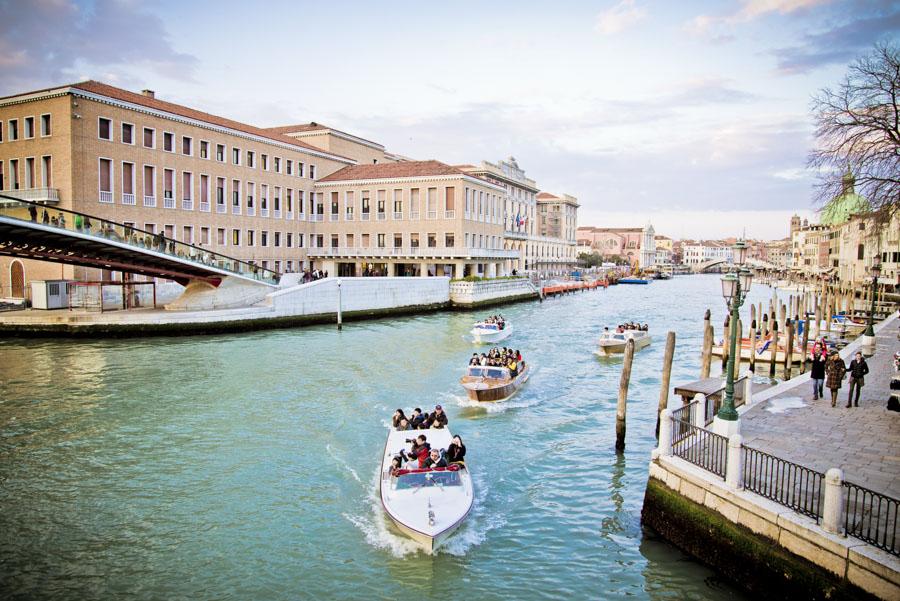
(277, 161)
(204, 235)
(251, 159)
(860, 252)
(1, 174)
(29, 127)
(169, 231)
(448, 240)
(289, 167)
(187, 235)
(149, 186)
(398, 204)
(380, 195)
(236, 156)
(187, 190)
(220, 153)
(104, 129)
(220, 236)
(349, 240)
(277, 240)
(334, 206)
(106, 180)
(265, 162)
(187, 147)
(432, 240)
(289, 200)
(150, 227)
(127, 183)
(169, 188)
(204, 192)
(46, 172)
(365, 204)
(335, 240)
(127, 133)
(220, 191)
(204, 149)
(398, 240)
(29, 172)
(235, 194)
(251, 237)
(235, 237)
(380, 240)
(263, 238)
(251, 190)
(299, 169)
(264, 199)
(312, 172)
(414, 240)
(365, 241)
(299, 240)
(45, 125)
(14, 174)
(149, 137)
(289, 239)
(276, 201)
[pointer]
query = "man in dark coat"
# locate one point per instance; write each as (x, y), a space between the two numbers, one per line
(857, 370)
(438, 419)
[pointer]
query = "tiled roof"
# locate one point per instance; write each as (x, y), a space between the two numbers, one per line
(288, 129)
(102, 89)
(546, 195)
(393, 170)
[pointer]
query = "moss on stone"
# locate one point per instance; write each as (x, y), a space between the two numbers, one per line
(750, 560)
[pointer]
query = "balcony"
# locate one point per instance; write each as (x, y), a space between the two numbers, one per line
(264, 212)
(149, 201)
(106, 196)
(414, 215)
(221, 208)
(318, 217)
(187, 204)
(348, 216)
(235, 209)
(333, 217)
(301, 216)
(450, 214)
(251, 211)
(398, 215)
(431, 215)
(289, 215)
(382, 216)
(168, 201)
(128, 199)
(204, 206)
(44, 195)
(276, 214)
(364, 216)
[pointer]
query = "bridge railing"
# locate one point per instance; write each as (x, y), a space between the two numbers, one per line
(97, 227)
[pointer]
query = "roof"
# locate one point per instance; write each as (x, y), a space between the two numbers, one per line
(288, 129)
(102, 89)
(547, 195)
(393, 170)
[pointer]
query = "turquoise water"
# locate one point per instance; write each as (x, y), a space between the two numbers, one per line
(244, 466)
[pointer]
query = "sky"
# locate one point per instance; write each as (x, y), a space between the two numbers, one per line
(692, 115)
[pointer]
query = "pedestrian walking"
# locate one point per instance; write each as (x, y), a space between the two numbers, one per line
(817, 373)
(834, 375)
(32, 212)
(858, 369)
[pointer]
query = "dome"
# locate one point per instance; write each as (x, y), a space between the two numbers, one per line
(847, 203)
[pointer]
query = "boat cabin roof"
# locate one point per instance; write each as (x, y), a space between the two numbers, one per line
(486, 326)
(488, 371)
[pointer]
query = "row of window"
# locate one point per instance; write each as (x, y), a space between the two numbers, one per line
(27, 132)
(34, 167)
(206, 149)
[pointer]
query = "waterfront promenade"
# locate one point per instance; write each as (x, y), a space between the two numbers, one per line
(862, 441)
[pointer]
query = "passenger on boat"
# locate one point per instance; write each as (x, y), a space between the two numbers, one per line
(416, 419)
(396, 465)
(395, 420)
(456, 452)
(404, 425)
(437, 419)
(434, 459)
(418, 451)
(475, 360)
(513, 368)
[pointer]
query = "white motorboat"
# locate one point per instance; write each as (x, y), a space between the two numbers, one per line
(613, 343)
(427, 505)
(489, 333)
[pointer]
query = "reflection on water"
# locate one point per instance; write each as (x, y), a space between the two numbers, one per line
(245, 466)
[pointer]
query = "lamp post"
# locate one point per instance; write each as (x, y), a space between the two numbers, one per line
(868, 343)
(735, 286)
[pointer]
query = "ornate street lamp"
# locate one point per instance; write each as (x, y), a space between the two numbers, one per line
(876, 271)
(735, 286)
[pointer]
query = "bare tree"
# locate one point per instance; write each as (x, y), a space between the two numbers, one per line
(858, 128)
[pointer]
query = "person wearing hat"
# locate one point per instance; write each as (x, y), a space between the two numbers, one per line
(437, 419)
(834, 374)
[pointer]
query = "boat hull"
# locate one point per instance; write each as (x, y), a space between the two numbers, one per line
(491, 336)
(634, 281)
(607, 349)
(486, 392)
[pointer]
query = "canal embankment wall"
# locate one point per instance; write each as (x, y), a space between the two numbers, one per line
(476, 294)
(777, 528)
(203, 309)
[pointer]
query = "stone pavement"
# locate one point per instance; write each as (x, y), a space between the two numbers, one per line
(863, 441)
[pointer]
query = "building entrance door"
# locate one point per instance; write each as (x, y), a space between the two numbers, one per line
(17, 280)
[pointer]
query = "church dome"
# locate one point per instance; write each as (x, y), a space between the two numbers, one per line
(848, 202)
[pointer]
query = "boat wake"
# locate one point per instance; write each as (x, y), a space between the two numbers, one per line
(475, 529)
(346, 466)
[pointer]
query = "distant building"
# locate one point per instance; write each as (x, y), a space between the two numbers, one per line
(635, 245)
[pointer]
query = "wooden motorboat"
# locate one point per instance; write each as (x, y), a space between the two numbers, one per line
(613, 343)
(427, 505)
(491, 384)
(487, 332)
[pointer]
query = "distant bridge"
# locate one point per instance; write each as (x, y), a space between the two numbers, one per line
(34, 231)
(701, 267)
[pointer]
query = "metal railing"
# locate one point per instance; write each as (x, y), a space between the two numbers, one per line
(701, 447)
(128, 199)
(682, 415)
(43, 195)
(784, 482)
(149, 201)
(168, 202)
(871, 517)
(106, 196)
(104, 229)
(398, 215)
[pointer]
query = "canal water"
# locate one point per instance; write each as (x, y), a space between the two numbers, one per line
(245, 466)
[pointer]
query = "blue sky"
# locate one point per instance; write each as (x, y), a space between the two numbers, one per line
(694, 115)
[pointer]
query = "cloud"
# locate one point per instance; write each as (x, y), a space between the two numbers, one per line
(839, 44)
(750, 10)
(49, 41)
(619, 17)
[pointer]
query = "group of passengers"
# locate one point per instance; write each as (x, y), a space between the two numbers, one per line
(422, 456)
(418, 420)
(499, 357)
(631, 325)
(499, 320)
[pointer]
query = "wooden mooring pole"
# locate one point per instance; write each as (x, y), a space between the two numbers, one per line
(789, 349)
(706, 351)
(623, 396)
(773, 349)
(666, 375)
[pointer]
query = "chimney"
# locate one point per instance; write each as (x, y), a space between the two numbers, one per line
(149, 93)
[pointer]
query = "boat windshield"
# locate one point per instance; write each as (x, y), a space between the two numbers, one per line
(486, 326)
(619, 337)
(425, 479)
(497, 373)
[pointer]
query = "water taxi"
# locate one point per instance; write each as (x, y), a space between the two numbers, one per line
(489, 332)
(491, 384)
(427, 505)
(613, 343)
